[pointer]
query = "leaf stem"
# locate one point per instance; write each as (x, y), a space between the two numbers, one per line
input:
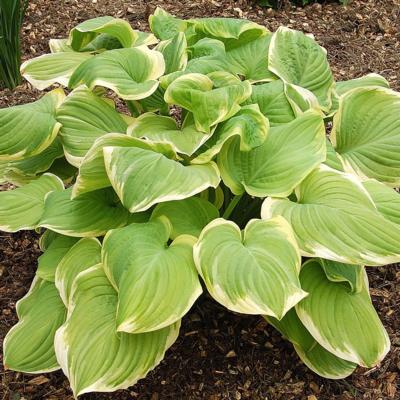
(231, 206)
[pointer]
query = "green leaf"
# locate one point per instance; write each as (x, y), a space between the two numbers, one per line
(130, 170)
(87, 31)
(164, 25)
(366, 133)
(185, 140)
(386, 199)
(28, 346)
(365, 81)
(92, 172)
(20, 172)
(23, 207)
(95, 357)
(349, 326)
(289, 153)
(85, 117)
(53, 254)
(335, 218)
(131, 73)
(188, 216)
(153, 103)
(248, 124)
(157, 283)
(59, 46)
(254, 272)
(81, 256)
(89, 215)
(209, 106)
(43, 71)
(250, 59)
(272, 101)
(174, 52)
(316, 357)
(298, 59)
(332, 158)
(29, 129)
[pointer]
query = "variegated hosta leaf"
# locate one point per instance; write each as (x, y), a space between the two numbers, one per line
(23, 207)
(87, 31)
(366, 133)
(289, 153)
(233, 32)
(174, 51)
(335, 218)
(63, 169)
(298, 59)
(185, 140)
(301, 99)
(89, 215)
(84, 118)
(249, 124)
(316, 357)
(25, 170)
(272, 101)
(95, 357)
(251, 272)
(29, 345)
(132, 169)
(131, 73)
(349, 326)
(250, 59)
(28, 129)
(188, 216)
(209, 106)
(332, 158)
(386, 199)
(164, 25)
(44, 71)
(92, 172)
(157, 283)
(53, 254)
(60, 46)
(80, 257)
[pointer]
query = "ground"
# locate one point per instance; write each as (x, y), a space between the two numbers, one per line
(221, 355)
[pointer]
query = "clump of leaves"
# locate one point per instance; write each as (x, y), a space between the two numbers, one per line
(245, 189)
(12, 13)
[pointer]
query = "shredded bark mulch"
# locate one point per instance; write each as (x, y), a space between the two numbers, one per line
(221, 355)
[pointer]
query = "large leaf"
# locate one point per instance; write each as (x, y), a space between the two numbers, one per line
(157, 283)
(386, 199)
(93, 355)
(188, 216)
(131, 73)
(81, 256)
(209, 106)
(23, 207)
(92, 172)
(44, 71)
(174, 51)
(87, 31)
(29, 346)
(28, 129)
(272, 101)
(185, 140)
(254, 272)
(164, 25)
(298, 59)
(89, 215)
(343, 322)
(366, 133)
(53, 254)
(84, 118)
(335, 218)
(143, 178)
(248, 124)
(289, 153)
(316, 357)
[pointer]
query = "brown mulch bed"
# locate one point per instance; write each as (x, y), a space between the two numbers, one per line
(221, 355)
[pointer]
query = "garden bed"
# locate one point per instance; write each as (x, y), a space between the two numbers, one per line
(221, 355)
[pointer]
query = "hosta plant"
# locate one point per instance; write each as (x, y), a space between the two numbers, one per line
(231, 162)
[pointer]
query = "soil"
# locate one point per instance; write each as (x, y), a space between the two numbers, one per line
(221, 355)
